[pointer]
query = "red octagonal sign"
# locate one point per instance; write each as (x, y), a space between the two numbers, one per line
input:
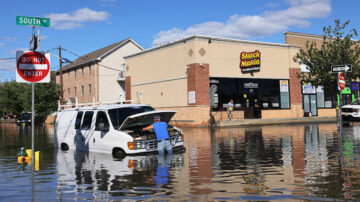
(341, 81)
(33, 67)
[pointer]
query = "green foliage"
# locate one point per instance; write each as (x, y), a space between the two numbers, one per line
(11, 97)
(16, 98)
(337, 48)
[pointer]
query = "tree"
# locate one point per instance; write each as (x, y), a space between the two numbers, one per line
(46, 99)
(11, 94)
(16, 98)
(337, 48)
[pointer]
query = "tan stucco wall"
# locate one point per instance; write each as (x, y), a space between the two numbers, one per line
(164, 68)
(327, 112)
(166, 93)
(165, 63)
(223, 58)
(295, 111)
(302, 39)
(189, 116)
(109, 88)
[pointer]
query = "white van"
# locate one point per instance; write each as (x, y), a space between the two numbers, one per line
(115, 129)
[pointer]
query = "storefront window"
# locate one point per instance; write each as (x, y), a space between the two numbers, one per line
(263, 93)
(320, 97)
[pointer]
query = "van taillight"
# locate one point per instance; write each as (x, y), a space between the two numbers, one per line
(131, 145)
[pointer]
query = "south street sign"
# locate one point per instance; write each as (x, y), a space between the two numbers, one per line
(341, 68)
(33, 21)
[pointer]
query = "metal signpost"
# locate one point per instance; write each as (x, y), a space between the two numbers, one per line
(341, 87)
(33, 67)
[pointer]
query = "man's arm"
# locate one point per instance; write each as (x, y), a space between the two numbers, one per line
(148, 127)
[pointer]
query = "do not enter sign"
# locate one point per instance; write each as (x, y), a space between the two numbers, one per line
(32, 67)
(341, 81)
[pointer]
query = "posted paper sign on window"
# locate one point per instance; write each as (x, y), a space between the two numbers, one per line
(191, 97)
(284, 86)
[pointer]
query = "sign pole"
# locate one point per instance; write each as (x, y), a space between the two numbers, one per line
(33, 67)
(32, 127)
(32, 123)
(340, 109)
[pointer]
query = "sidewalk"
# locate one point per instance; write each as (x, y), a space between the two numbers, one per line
(253, 122)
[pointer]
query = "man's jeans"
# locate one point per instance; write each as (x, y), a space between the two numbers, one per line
(164, 145)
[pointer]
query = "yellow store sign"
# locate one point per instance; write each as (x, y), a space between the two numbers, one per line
(250, 61)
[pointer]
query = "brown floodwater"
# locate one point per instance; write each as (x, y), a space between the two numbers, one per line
(280, 162)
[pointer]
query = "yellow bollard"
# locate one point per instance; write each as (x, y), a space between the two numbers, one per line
(37, 160)
(37, 156)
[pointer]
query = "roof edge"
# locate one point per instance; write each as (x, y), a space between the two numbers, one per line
(303, 35)
(211, 38)
(118, 46)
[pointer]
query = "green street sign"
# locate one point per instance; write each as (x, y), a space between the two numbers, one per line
(33, 21)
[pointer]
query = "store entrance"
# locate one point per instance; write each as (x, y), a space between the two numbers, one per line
(252, 107)
(310, 108)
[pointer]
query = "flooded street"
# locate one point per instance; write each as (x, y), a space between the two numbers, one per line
(284, 162)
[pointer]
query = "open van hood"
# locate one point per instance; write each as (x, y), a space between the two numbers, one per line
(142, 120)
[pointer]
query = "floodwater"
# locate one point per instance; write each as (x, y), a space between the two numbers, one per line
(280, 162)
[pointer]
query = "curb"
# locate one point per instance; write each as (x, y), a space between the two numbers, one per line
(255, 122)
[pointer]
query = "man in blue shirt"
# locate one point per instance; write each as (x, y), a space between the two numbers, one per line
(162, 135)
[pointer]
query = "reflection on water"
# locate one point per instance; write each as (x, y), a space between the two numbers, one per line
(100, 176)
(288, 162)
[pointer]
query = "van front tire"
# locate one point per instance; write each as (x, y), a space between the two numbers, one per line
(118, 153)
(64, 147)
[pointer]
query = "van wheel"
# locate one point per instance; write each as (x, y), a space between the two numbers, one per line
(119, 153)
(64, 147)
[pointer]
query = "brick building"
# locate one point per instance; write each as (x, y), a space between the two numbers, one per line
(98, 76)
(198, 75)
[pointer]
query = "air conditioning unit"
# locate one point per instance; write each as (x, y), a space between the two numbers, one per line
(121, 76)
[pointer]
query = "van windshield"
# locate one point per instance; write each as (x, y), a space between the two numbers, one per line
(25, 116)
(119, 115)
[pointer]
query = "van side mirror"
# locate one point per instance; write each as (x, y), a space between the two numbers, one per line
(102, 127)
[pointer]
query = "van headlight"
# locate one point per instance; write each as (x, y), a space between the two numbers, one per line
(139, 145)
(179, 138)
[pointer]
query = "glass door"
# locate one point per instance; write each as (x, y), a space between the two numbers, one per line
(313, 106)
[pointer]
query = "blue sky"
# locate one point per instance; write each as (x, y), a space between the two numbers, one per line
(82, 26)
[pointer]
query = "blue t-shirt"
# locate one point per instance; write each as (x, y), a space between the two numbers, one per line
(160, 129)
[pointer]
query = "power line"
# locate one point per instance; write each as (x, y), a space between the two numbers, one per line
(8, 58)
(11, 58)
(89, 60)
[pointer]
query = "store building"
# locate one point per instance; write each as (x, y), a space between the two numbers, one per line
(198, 75)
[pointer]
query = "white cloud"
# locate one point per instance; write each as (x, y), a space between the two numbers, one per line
(43, 37)
(13, 52)
(1, 45)
(299, 13)
(76, 18)
(8, 65)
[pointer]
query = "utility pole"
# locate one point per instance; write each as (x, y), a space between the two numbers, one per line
(61, 78)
